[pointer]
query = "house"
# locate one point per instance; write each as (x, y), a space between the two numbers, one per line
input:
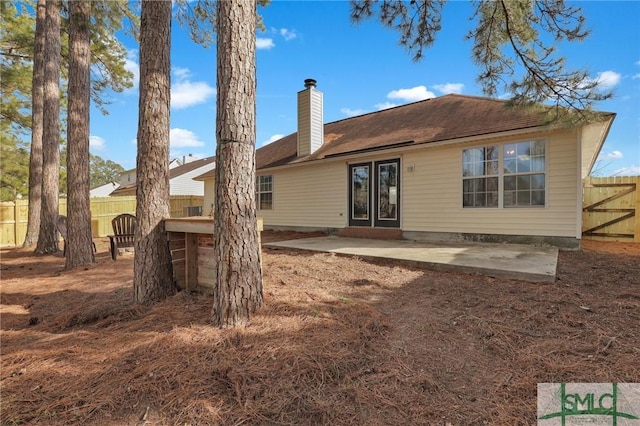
(452, 168)
(180, 178)
(104, 190)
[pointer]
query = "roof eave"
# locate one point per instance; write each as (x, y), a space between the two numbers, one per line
(394, 148)
(591, 147)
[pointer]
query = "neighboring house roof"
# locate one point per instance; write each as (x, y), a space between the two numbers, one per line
(174, 162)
(173, 173)
(209, 174)
(103, 190)
(439, 119)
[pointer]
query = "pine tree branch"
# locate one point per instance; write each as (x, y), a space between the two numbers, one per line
(574, 101)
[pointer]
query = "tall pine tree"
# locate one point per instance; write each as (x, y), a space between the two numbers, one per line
(238, 289)
(48, 235)
(79, 242)
(152, 269)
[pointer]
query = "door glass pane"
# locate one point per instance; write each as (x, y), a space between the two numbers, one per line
(360, 191)
(387, 191)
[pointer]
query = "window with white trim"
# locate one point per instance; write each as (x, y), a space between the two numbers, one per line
(506, 175)
(264, 192)
(480, 177)
(524, 174)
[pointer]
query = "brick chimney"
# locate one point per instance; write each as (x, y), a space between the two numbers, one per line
(310, 120)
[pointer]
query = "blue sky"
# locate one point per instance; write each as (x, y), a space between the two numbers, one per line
(362, 68)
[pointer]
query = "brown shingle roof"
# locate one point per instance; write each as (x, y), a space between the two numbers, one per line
(188, 167)
(206, 175)
(439, 119)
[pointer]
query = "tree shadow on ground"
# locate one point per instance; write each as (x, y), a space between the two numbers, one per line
(338, 341)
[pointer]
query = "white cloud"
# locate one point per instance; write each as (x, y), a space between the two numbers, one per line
(608, 79)
(288, 34)
(264, 43)
(613, 155)
(97, 143)
(448, 88)
(636, 76)
(187, 93)
(182, 138)
(132, 66)
(414, 94)
(273, 138)
(352, 112)
(385, 105)
(181, 73)
(627, 171)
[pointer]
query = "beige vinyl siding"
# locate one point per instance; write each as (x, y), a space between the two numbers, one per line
(128, 177)
(311, 196)
(304, 130)
(209, 196)
(315, 195)
(432, 193)
(186, 185)
(310, 121)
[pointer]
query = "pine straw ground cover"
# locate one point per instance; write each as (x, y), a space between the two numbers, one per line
(339, 341)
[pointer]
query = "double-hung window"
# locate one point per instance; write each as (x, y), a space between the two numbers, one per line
(264, 192)
(524, 174)
(505, 175)
(480, 177)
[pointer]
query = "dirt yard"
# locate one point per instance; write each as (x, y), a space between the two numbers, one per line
(339, 341)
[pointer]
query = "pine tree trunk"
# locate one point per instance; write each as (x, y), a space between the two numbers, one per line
(79, 241)
(153, 274)
(238, 291)
(35, 158)
(48, 236)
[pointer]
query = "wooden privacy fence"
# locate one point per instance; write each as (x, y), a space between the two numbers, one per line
(14, 214)
(611, 208)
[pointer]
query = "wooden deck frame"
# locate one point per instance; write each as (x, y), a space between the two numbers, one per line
(191, 244)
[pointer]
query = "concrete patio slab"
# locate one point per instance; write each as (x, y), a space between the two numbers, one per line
(521, 262)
